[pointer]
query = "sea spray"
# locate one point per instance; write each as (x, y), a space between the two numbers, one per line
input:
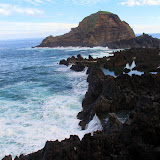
(39, 99)
(92, 126)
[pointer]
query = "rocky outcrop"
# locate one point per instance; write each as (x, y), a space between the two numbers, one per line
(137, 138)
(146, 60)
(77, 67)
(98, 29)
(138, 42)
(108, 94)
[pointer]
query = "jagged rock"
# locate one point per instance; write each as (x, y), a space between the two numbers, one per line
(95, 30)
(95, 80)
(90, 58)
(79, 57)
(146, 59)
(137, 138)
(64, 62)
(139, 42)
(77, 67)
(9, 157)
(108, 94)
(156, 153)
(126, 70)
(141, 132)
(71, 59)
(102, 105)
(113, 124)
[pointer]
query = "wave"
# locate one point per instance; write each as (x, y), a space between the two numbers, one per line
(70, 48)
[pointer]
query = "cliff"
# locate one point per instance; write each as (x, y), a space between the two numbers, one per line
(137, 138)
(98, 29)
(138, 42)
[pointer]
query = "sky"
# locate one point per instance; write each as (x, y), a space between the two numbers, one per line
(40, 18)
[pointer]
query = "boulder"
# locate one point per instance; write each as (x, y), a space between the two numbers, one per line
(9, 157)
(78, 67)
(113, 124)
(64, 62)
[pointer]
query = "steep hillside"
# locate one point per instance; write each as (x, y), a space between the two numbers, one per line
(95, 30)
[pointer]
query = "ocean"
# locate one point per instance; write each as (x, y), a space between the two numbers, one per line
(40, 99)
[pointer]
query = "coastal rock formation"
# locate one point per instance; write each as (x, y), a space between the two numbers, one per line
(108, 94)
(137, 138)
(146, 60)
(138, 42)
(95, 30)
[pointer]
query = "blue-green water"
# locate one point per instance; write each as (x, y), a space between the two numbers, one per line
(39, 99)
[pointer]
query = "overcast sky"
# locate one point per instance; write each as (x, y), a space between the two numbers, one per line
(41, 18)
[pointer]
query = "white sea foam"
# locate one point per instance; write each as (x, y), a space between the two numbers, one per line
(108, 72)
(91, 127)
(133, 71)
(128, 66)
(44, 113)
(27, 126)
(70, 48)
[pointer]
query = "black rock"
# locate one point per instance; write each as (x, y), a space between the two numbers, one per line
(77, 67)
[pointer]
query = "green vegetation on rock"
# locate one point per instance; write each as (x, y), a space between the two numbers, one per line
(104, 12)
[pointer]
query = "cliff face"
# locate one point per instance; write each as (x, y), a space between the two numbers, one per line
(95, 30)
(139, 42)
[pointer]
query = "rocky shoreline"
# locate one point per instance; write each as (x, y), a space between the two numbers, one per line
(146, 59)
(139, 136)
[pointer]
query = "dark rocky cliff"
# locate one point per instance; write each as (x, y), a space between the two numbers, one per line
(138, 42)
(98, 29)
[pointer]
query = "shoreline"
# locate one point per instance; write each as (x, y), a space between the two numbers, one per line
(113, 128)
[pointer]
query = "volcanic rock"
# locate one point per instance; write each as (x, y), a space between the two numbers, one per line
(137, 138)
(108, 94)
(95, 30)
(113, 124)
(78, 67)
(9, 157)
(138, 42)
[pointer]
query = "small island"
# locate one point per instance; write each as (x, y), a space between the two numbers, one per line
(101, 29)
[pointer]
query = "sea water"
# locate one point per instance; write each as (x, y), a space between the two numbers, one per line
(40, 99)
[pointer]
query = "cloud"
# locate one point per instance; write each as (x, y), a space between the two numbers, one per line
(85, 2)
(36, 2)
(146, 28)
(8, 9)
(140, 2)
(32, 30)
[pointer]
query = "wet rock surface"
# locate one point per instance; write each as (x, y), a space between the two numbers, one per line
(146, 60)
(137, 138)
(108, 94)
(138, 42)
